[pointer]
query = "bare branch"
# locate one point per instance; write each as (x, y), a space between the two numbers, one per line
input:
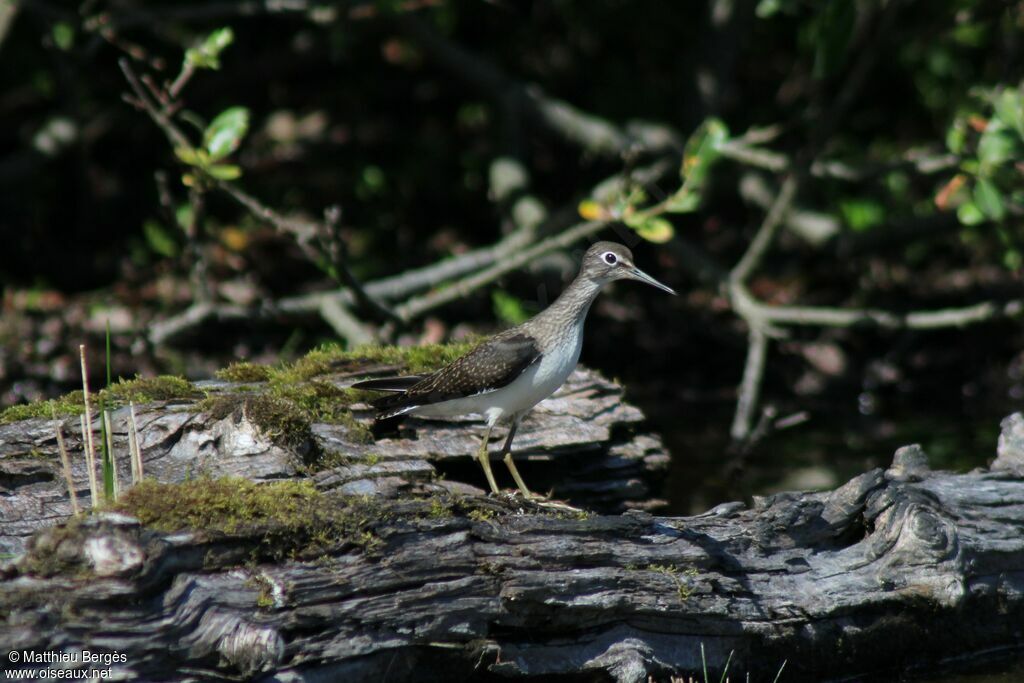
(767, 232)
(913, 320)
(593, 133)
(159, 116)
(416, 307)
(750, 385)
(346, 325)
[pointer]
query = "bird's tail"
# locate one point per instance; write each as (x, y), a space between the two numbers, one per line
(394, 404)
(392, 384)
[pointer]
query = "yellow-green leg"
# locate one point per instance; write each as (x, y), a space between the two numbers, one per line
(485, 461)
(507, 450)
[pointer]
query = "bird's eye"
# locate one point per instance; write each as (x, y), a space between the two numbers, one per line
(610, 258)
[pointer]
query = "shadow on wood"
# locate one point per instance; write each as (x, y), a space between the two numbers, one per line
(896, 568)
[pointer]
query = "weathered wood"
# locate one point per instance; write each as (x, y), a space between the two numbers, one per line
(585, 444)
(837, 583)
(896, 568)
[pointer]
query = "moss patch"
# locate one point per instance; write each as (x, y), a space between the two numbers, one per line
(285, 412)
(54, 551)
(69, 404)
(244, 372)
(287, 517)
(331, 358)
(139, 390)
(683, 590)
(148, 389)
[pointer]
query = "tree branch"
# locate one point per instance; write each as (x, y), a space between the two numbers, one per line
(417, 306)
(593, 133)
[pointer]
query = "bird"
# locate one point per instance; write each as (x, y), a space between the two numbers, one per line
(506, 375)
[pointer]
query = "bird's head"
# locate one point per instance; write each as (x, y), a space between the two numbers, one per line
(605, 262)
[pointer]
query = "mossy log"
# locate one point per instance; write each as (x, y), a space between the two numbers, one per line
(585, 444)
(431, 580)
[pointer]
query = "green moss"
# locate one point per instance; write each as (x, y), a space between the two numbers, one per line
(672, 571)
(332, 358)
(244, 372)
(56, 550)
(322, 401)
(279, 418)
(438, 509)
(285, 412)
(357, 431)
(416, 359)
(147, 390)
(69, 404)
(139, 390)
(265, 599)
(225, 504)
(480, 514)
(288, 517)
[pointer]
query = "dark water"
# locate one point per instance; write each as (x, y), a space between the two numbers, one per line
(833, 444)
(821, 453)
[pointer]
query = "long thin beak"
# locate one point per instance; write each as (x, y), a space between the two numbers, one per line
(637, 274)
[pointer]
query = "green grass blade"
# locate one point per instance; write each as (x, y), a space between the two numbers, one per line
(105, 464)
(725, 671)
(108, 353)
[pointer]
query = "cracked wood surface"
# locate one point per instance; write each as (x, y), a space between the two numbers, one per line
(897, 567)
(585, 444)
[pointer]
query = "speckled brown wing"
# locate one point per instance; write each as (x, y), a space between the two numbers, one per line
(492, 365)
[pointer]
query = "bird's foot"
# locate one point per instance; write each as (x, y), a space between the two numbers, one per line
(537, 502)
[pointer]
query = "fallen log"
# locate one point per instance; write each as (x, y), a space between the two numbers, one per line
(584, 445)
(431, 580)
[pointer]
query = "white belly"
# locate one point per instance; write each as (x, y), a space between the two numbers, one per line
(537, 382)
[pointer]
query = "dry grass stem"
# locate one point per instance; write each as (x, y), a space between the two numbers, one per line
(90, 448)
(134, 452)
(66, 463)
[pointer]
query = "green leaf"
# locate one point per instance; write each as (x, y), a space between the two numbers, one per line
(218, 40)
(701, 152)
(225, 171)
(225, 133)
(187, 155)
(657, 230)
(956, 136)
(1010, 109)
(634, 219)
(683, 201)
(767, 8)
(969, 214)
(996, 145)
(989, 200)
(158, 239)
(184, 214)
(207, 54)
(862, 214)
(591, 211)
(63, 35)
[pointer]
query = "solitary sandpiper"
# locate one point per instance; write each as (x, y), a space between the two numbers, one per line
(511, 372)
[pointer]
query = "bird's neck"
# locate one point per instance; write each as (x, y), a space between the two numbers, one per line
(572, 306)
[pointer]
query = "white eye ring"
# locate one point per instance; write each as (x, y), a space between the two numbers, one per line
(610, 258)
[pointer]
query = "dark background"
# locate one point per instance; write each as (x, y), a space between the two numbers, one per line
(361, 105)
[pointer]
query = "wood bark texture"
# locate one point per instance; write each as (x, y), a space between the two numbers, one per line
(898, 567)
